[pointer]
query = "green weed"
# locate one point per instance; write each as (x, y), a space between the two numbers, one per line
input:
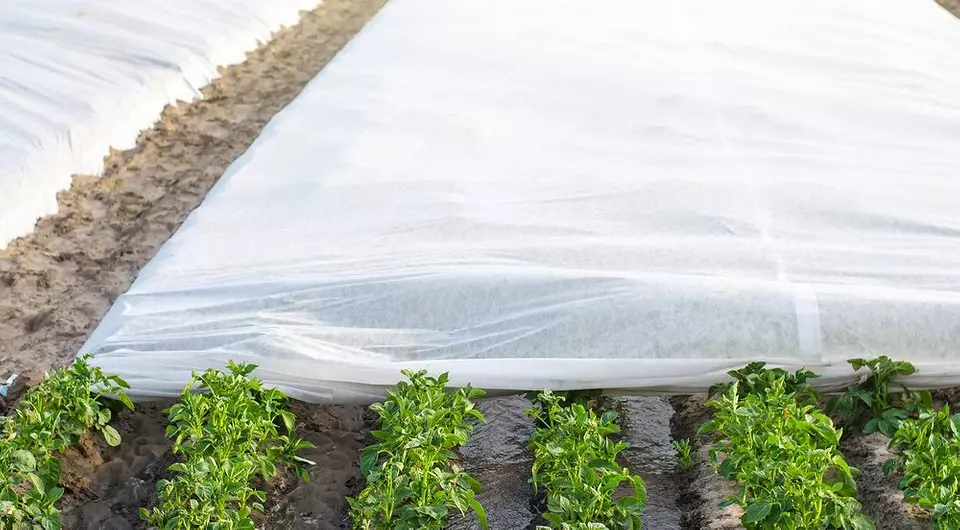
(682, 447)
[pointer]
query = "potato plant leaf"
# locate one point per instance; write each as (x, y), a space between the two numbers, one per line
(111, 436)
(757, 512)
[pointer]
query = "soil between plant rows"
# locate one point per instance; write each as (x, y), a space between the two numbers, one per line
(58, 282)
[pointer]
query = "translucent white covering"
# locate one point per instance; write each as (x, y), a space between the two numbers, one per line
(631, 194)
(80, 76)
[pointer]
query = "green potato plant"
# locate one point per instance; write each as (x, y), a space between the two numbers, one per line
(575, 462)
(413, 478)
(929, 449)
(51, 417)
(227, 429)
(783, 454)
(593, 399)
(871, 405)
(755, 378)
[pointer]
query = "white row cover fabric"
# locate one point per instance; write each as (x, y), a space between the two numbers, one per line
(635, 195)
(80, 76)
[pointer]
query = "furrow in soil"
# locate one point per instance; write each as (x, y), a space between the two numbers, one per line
(497, 456)
(339, 433)
(645, 422)
(702, 490)
(877, 491)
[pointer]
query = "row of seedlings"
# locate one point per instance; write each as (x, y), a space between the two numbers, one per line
(227, 429)
(772, 439)
(575, 465)
(230, 431)
(54, 415)
(413, 476)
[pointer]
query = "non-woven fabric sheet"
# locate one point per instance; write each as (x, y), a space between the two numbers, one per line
(634, 195)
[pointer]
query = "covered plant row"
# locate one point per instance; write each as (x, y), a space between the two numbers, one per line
(770, 434)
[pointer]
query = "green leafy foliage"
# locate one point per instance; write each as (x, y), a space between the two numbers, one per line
(755, 378)
(50, 418)
(575, 463)
(929, 449)
(594, 400)
(227, 433)
(683, 448)
(783, 454)
(872, 405)
(413, 476)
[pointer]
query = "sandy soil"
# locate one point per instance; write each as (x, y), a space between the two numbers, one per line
(57, 283)
(952, 6)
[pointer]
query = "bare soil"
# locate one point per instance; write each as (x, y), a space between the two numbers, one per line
(952, 6)
(58, 282)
